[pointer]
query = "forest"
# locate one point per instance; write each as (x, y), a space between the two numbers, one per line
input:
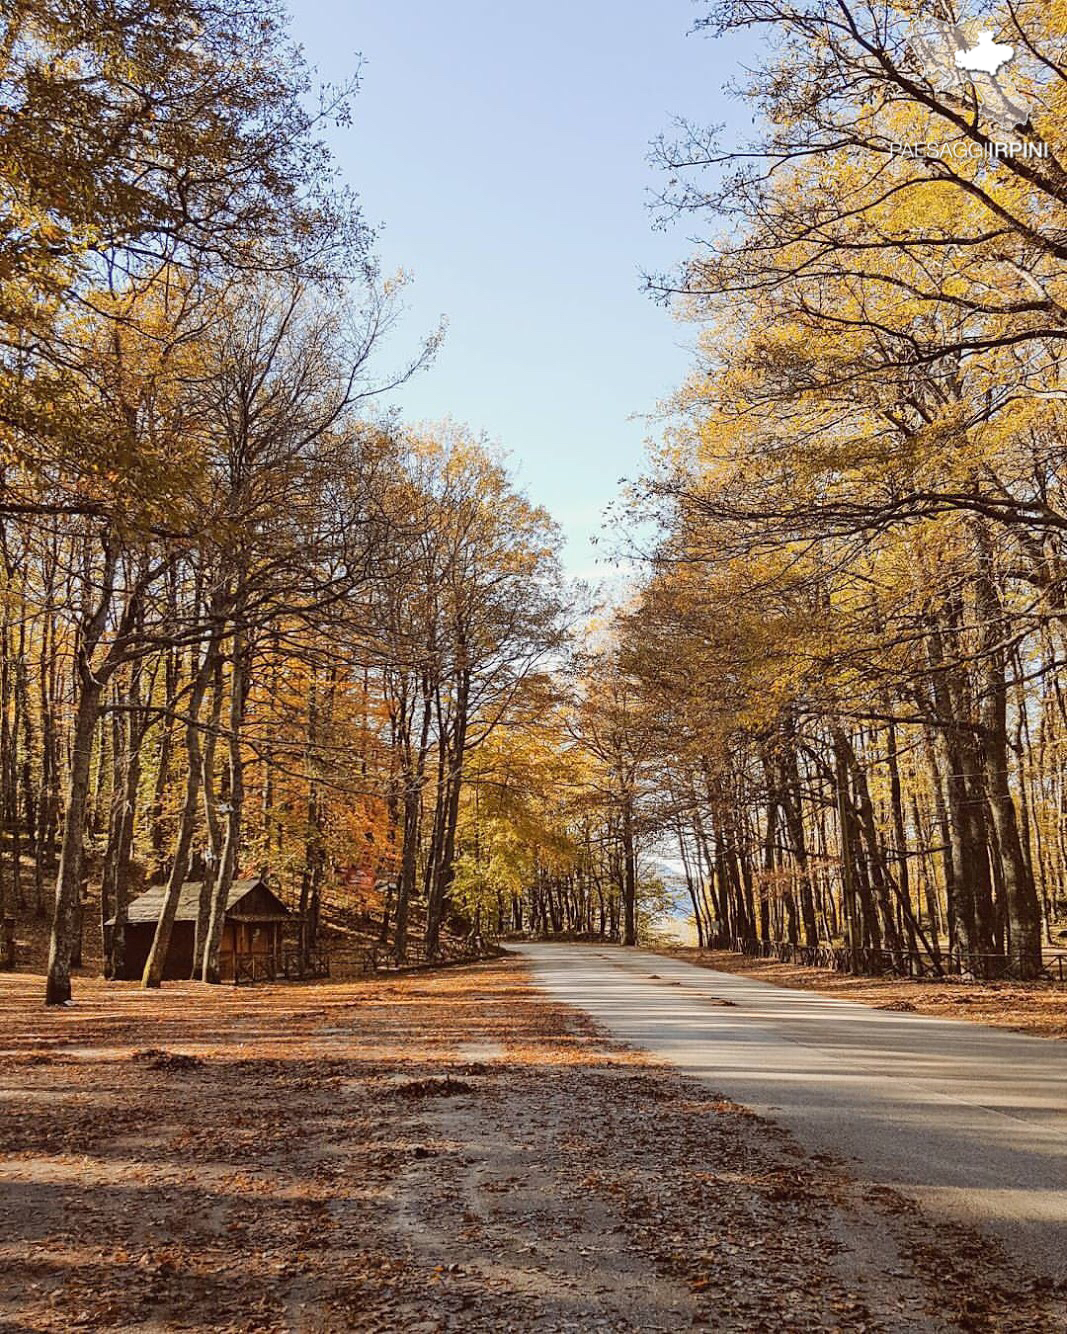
(851, 638)
(254, 623)
(251, 622)
(671, 940)
(836, 692)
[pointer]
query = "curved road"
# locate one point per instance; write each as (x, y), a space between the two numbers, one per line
(970, 1120)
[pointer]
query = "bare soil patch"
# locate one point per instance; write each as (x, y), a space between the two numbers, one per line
(428, 1153)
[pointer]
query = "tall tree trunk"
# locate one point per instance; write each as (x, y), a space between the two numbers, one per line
(412, 809)
(791, 799)
(239, 686)
(1020, 893)
(179, 870)
(445, 869)
(90, 683)
(413, 766)
(629, 873)
(848, 864)
(212, 825)
(69, 879)
(120, 758)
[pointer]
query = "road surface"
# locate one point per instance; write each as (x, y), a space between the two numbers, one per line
(970, 1120)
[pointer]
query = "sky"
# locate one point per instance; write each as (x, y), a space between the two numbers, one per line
(503, 150)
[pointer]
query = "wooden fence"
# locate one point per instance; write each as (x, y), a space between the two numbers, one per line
(292, 965)
(371, 959)
(366, 960)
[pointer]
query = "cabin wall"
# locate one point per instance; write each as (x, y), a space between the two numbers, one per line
(227, 947)
(139, 937)
(180, 955)
(259, 902)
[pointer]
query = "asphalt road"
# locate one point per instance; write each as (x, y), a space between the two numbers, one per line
(970, 1120)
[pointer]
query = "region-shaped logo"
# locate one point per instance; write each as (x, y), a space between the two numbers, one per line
(967, 60)
(986, 56)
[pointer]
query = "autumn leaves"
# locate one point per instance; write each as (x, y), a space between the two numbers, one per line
(257, 623)
(862, 505)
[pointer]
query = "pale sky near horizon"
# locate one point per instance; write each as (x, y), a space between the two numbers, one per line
(504, 151)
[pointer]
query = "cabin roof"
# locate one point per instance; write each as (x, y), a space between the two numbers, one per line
(146, 907)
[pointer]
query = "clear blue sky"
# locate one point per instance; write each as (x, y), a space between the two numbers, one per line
(503, 147)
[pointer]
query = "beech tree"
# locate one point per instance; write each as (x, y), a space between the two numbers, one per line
(862, 486)
(137, 137)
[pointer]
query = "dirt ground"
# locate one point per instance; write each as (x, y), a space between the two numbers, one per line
(1036, 1008)
(441, 1152)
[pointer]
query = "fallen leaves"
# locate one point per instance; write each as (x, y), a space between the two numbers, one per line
(432, 1086)
(1039, 1008)
(337, 1164)
(157, 1059)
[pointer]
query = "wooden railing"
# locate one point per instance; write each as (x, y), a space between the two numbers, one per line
(382, 958)
(293, 965)
(297, 964)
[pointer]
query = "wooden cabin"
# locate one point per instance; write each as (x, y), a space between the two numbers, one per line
(251, 933)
